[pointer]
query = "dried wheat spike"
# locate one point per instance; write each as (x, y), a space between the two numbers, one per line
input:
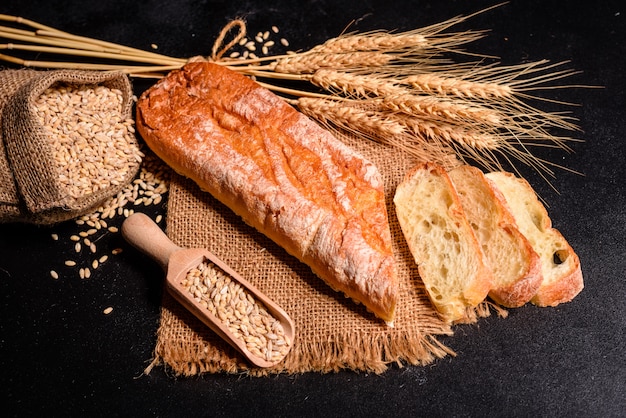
(400, 99)
(369, 122)
(451, 86)
(427, 40)
(350, 116)
(308, 63)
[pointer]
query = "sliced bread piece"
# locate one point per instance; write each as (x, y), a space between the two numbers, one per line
(450, 261)
(515, 265)
(560, 265)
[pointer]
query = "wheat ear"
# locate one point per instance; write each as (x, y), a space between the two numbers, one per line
(308, 63)
(400, 99)
(356, 118)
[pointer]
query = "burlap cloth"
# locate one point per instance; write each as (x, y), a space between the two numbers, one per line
(332, 332)
(29, 187)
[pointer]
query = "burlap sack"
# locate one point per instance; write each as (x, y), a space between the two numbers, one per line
(332, 332)
(29, 186)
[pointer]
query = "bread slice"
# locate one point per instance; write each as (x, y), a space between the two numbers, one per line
(281, 172)
(515, 265)
(449, 258)
(560, 266)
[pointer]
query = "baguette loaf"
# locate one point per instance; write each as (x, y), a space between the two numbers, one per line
(515, 265)
(560, 266)
(281, 172)
(449, 259)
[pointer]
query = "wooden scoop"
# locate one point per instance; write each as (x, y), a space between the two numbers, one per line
(144, 234)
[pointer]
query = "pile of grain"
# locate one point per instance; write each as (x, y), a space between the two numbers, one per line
(245, 317)
(102, 225)
(91, 143)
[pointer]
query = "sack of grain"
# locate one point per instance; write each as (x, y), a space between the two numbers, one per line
(67, 142)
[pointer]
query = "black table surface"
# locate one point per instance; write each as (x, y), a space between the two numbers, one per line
(60, 355)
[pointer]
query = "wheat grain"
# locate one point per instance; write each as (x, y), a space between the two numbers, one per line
(444, 110)
(245, 317)
(93, 148)
(354, 85)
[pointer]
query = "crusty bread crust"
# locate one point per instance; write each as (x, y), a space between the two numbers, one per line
(516, 266)
(560, 265)
(450, 260)
(281, 172)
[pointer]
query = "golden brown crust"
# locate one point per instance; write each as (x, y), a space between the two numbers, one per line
(567, 287)
(562, 279)
(516, 266)
(282, 173)
(523, 290)
(449, 258)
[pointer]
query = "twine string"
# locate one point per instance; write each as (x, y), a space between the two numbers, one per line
(219, 48)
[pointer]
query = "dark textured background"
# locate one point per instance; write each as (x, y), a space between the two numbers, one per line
(60, 355)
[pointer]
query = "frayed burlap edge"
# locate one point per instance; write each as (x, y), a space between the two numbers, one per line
(352, 350)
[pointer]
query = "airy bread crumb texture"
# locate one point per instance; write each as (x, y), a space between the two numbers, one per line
(516, 266)
(475, 235)
(560, 265)
(449, 258)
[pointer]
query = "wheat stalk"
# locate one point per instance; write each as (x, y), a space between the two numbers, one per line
(427, 40)
(400, 89)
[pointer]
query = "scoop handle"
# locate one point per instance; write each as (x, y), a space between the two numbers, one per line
(145, 235)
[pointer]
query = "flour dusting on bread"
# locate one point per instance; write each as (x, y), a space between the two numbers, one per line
(281, 172)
